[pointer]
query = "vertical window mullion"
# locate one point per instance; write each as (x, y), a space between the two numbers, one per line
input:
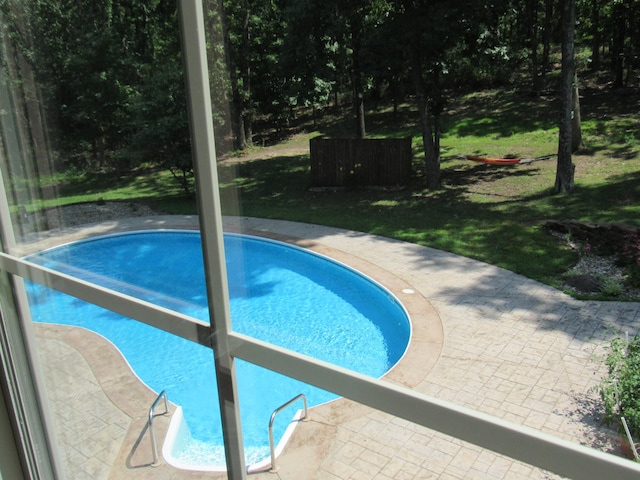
(22, 380)
(204, 159)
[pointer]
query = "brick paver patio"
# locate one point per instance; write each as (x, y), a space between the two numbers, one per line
(509, 346)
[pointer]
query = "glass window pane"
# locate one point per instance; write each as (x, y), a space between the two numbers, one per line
(97, 158)
(95, 141)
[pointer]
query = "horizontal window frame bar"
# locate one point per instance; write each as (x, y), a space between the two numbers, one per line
(156, 316)
(515, 441)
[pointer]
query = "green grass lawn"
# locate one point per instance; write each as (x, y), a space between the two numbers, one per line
(490, 213)
(487, 212)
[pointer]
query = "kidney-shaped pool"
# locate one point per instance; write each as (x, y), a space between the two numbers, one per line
(279, 293)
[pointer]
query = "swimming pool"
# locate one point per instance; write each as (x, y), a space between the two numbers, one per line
(278, 293)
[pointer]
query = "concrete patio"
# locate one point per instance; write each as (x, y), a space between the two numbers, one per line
(484, 338)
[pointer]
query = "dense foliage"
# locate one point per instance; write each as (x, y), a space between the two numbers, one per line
(113, 78)
(621, 389)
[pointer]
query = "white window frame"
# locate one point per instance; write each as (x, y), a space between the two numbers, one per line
(518, 442)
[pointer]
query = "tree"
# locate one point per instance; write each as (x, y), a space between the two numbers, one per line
(540, 27)
(237, 16)
(532, 23)
(565, 168)
(430, 133)
(594, 9)
(107, 41)
(313, 57)
(254, 36)
(436, 41)
(425, 31)
(331, 49)
(619, 33)
(159, 122)
(576, 120)
(547, 36)
(23, 128)
(355, 16)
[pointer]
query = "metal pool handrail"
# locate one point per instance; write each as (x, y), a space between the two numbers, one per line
(273, 418)
(154, 446)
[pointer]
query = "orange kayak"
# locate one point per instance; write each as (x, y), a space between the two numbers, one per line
(494, 161)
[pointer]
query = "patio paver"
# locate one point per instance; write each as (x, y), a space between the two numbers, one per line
(512, 347)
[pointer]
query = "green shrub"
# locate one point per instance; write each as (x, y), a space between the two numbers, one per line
(611, 287)
(620, 390)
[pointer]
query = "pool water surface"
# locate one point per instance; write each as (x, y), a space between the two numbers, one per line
(278, 293)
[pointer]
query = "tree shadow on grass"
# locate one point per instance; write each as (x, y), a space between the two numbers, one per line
(145, 183)
(613, 201)
(502, 114)
(464, 176)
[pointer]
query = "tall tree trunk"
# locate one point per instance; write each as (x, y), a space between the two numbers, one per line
(437, 109)
(595, 35)
(248, 128)
(566, 169)
(532, 14)
(546, 39)
(245, 71)
(362, 132)
(237, 125)
(576, 122)
(431, 154)
(617, 44)
(99, 150)
(356, 38)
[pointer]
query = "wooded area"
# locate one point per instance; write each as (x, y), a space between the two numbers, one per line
(113, 79)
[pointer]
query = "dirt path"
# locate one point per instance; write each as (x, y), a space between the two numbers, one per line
(297, 145)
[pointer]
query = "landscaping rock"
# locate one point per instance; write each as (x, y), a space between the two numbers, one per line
(80, 213)
(584, 283)
(610, 235)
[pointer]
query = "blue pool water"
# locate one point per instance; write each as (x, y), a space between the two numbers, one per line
(278, 293)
